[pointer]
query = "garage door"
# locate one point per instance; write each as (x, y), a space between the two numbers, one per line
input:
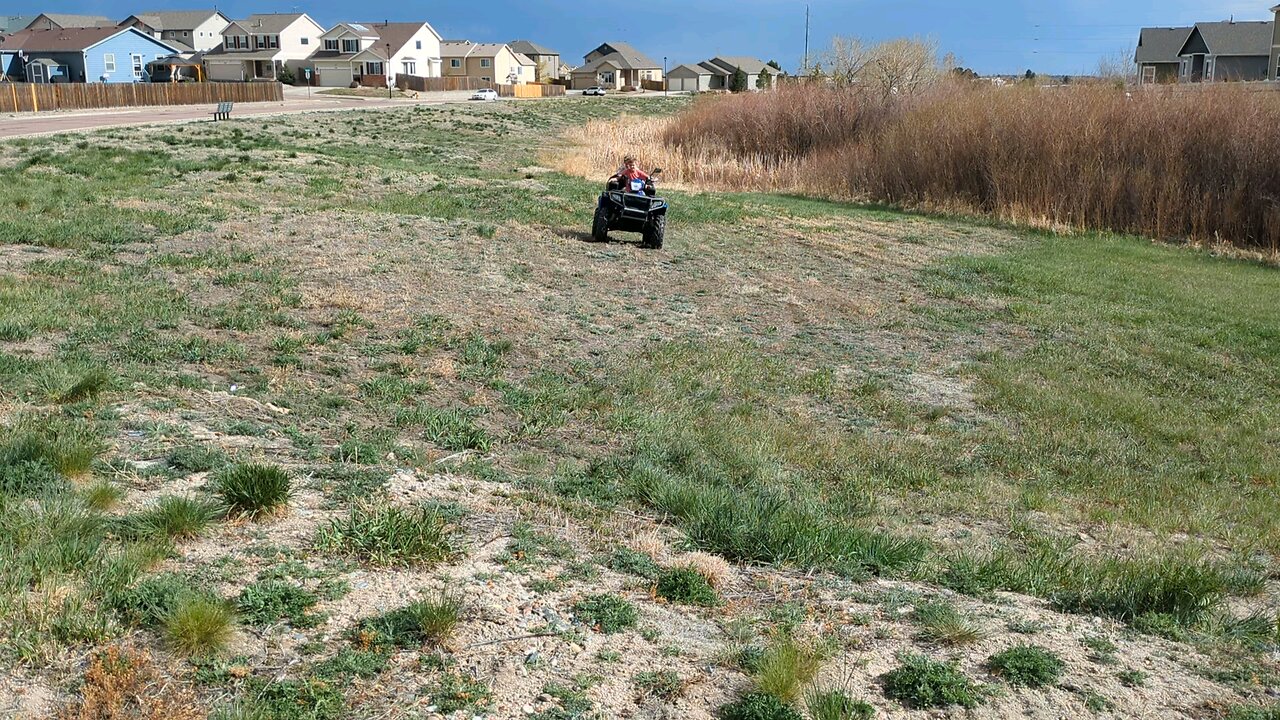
(333, 76)
(226, 72)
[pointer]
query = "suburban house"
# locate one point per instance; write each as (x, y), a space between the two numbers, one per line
(63, 21)
(190, 31)
(1208, 52)
(261, 46)
(615, 65)
(488, 62)
(546, 61)
(359, 52)
(77, 55)
(717, 74)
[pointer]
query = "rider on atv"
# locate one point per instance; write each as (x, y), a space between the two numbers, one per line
(629, 172)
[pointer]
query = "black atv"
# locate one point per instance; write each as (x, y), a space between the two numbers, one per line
(631, 208)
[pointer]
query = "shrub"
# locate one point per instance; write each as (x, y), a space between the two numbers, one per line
(254, 490)
(1026, 665)
(758, 706)
(835, 705)
(426, 622)
(387, 535)
(687, 586)
(268, 601)
(198, 625)
(607, 613)
(785, 669)
(923, 683)
(151, 599)
(940, 622)
(173, 517)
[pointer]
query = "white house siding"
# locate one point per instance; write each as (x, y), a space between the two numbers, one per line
(426, 59)
(292, 52)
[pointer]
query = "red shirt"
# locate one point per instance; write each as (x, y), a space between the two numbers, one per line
(636, 174)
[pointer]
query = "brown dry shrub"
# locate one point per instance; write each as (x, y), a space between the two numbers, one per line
(122, 683)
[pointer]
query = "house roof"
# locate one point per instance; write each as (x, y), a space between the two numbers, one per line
(749, 65)
(219, 53)
(70, 39)
(1161, 45)
(15, 22)
(1237, 38)
(528, 48)
(633, 59)
(67, 20)
(268, 23)
(174, 19)
(689, 68)
(470, 49)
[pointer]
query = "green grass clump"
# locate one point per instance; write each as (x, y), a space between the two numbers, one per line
(1026, 665)
(455, 691)
(607, 613)
(662, 684)
(349, 664)
(687, 586)
(431, 621)
(84, 388)
(308, 698)
(388, 535)
(199, 625)
(836, 705)
(1132, 678)
(450, 429)
(786, 668)
(633, 562)
(196, 458)
(254, 490)
(1243, 712)
(1127, 589)
(152, 599)
(758, 706)
(268, 601)
(940, 622)
(923, 683)
(173, 517)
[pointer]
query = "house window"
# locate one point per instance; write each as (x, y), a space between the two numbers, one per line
(350, 46)
(306, 41)
(486, 62)
(1148, 75)
(137, 67)
(410, 67)
(418, 45)
(373, 68)
(273, 41)
(331, 45)
(109, 63)
(184, 33)
(455, 63)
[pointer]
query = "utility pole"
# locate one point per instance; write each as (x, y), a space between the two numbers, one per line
(386, 71)
(666, 83)
(806, 39)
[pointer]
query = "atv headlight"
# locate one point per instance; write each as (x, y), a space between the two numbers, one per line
(616, 197)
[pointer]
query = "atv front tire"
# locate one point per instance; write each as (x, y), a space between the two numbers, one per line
(655, 232)
(600, 226)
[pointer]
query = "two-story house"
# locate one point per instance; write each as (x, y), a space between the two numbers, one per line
(486, 62)
(615, 65)
(373, 54)
(261, 46)
(190, 31)
(66, 21)
(1210, 51)
(547, 64)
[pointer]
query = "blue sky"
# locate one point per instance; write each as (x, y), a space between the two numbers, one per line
(995, 36)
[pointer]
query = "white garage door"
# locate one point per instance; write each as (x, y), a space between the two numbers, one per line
(333, 75)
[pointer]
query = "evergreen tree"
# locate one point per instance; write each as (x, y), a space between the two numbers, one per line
(764, 81)
(739, 82)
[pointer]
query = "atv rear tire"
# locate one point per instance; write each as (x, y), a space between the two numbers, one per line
(655, 232)
(600, 226)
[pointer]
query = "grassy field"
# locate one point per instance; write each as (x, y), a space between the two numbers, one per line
(344, 415)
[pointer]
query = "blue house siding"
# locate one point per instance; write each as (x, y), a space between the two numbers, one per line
(123, 47)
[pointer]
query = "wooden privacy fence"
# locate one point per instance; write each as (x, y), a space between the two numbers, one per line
(531, 90)
(440, 84)
(31, 97)
(653, 84)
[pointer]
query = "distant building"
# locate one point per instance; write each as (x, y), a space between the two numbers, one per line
(486, 62)
(1209, 52)
(545, 59)
(615, 65)
(717, 74)
(188, 30)
(77, 55)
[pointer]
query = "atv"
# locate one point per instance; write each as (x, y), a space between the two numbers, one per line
(633, 208)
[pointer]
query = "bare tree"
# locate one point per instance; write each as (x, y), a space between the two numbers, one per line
(1119, 67)
(904, 66)
(846, 59)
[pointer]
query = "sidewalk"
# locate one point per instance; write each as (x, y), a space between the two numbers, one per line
(14, 125)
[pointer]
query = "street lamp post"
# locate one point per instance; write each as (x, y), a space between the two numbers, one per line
(666, 83)
(386, 71)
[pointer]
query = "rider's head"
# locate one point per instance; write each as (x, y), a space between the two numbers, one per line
(629, 162)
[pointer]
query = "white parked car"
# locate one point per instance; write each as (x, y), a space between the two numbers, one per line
(485, 94)
(594, 91)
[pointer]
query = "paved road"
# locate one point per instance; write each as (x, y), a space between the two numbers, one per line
(51, 123)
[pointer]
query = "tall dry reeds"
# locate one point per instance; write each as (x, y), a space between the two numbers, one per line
(1202, 164)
